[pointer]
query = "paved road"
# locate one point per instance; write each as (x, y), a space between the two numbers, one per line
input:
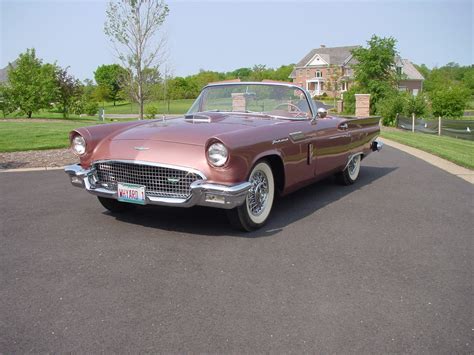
(383, 266)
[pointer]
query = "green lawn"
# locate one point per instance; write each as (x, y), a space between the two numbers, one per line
(459, 151)
(176, 107)
(19, 136)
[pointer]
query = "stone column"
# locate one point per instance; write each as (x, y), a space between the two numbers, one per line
(362, 105)
(239, 103)
(339, 106)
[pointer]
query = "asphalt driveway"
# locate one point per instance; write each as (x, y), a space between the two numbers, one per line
(379, 267)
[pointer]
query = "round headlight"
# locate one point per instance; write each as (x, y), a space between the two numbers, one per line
(217, 154)
(78, 145)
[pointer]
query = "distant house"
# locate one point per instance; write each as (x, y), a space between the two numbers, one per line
(4, 75)
(318, 70)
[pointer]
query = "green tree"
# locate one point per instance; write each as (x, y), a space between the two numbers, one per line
(283, 73)
(391, 106)
(6, 103)
(112, 77)
(415, 105)
(449, 101)
(134, 27)
(32, 84)
(241, 73)
(374, 68)
(69, 91)
(333, 84)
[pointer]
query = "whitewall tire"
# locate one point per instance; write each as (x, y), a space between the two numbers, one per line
(259, 202)
(350, 174)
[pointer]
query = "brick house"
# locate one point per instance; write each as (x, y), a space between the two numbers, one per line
(322, 67)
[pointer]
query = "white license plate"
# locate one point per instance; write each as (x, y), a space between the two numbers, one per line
(131, 193)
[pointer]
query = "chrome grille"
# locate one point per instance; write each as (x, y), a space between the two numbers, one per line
(159, 181)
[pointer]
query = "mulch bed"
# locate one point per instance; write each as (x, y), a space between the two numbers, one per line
(37, 159)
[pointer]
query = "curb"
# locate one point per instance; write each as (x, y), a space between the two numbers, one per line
(443, 164)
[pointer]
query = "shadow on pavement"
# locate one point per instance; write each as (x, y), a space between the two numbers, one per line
(286, 210)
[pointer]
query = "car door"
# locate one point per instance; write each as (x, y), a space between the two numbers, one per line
(331, 142)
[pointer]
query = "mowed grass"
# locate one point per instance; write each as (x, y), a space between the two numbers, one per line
(21, 136)
(175, 107)
(458, 151)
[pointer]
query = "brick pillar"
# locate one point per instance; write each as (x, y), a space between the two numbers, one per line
(362, 105)
(339, 106)
(239, 102)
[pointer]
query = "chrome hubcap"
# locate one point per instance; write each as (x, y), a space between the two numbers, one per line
(258, 193)
(353, 164)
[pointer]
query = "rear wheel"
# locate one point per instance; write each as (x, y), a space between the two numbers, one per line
(254, 213)
(350, 174)
(115, 206)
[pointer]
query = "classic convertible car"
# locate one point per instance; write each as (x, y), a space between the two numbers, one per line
(239, 145)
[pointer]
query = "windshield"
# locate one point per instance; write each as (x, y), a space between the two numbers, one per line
(276, 100)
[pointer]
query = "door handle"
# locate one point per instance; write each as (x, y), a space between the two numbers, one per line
(343, 126)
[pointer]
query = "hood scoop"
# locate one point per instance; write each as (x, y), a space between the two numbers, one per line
(198, 118)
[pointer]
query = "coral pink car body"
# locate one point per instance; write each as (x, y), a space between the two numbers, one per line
(307, 150)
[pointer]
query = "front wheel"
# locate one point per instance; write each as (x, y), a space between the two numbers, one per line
(254, 213)
(350, 174)
(115, 206)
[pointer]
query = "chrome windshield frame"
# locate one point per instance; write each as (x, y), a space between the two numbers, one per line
(309, 101)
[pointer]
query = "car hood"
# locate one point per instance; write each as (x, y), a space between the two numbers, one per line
(195, 130)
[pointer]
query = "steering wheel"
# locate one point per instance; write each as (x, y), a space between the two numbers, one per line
(299, 112)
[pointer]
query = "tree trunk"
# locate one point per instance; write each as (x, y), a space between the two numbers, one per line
(140, 90)
(29, 113)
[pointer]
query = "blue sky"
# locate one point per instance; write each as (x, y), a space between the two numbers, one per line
(225, 35)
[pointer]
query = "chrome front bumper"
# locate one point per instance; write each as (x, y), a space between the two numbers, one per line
(203, 193)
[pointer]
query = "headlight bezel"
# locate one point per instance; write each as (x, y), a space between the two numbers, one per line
(78, 141)
(212, 152)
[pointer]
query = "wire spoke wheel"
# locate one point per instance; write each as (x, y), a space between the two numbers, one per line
(354, 167)
(257, 207)
(350, 174)
(257, 196)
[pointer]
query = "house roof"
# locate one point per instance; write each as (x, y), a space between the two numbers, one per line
(343, 56)
(332, 55)
(4, 74)
(4, 71)
(409, 70)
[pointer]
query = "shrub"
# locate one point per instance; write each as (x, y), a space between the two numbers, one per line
(390, 106)
(349, 99)
(450, 101)
(91, 108)
(416, 105)
(151, 111)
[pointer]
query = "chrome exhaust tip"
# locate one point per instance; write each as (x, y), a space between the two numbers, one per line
(377, 146)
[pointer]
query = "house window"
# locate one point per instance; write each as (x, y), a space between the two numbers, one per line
(399, 70)
(318, 74)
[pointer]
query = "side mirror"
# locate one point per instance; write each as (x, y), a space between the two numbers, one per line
(322, 112)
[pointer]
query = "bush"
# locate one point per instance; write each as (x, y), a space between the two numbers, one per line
(390, 106)
(151, 111)
(416, 105)
(349, 99)
(449, 102)
(91, 108)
